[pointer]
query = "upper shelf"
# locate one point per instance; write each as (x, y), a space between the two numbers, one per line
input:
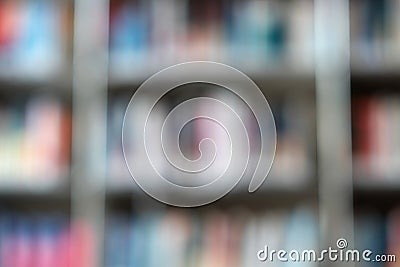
(376, 185)
(60, 82)
(274, 77)
(57, 189)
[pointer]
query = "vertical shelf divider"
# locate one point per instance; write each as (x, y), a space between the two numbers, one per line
(90, 78)
(332, 58)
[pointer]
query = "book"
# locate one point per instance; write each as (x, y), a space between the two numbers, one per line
(35, 135)
(147, 35)
(370, 233)
(31, 35)
(375, 143)
(180, 238)
(293, 159)
(43, 240)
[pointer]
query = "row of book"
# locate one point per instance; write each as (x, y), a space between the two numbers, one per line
(375, 30)
(35, 138)
(375, 136)
(176, 238)
(38, 33)
(234, 31)
(184, 238)
(293, 158)
(378, 233)
(43, 241)
(32, 34)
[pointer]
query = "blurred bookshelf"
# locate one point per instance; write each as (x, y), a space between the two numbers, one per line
(226, 238)
(42, 240)
(35, 133)
(35, 40)
(69, 68)
(375, 83)
(293, 169)
(146, 36)
(375, 37)
(35, 105)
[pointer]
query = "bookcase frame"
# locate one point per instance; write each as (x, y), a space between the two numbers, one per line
(333, 189)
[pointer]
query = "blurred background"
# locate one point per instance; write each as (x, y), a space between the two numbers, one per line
(68, 68)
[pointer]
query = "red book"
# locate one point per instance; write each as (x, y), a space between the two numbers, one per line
(361, 123)
(81, 247)
(9, 20)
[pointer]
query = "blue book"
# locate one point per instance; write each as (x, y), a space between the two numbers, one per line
(370, 233)
(118, 241)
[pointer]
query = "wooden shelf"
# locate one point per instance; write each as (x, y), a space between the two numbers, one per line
(58, 84)
(24, 190)
(281, 77)
(275, 189)
(369, 184)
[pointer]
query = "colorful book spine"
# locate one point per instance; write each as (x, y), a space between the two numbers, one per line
(178, 238)
(375, 136)
(31, 34)
(44, 241)
(35, 140)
